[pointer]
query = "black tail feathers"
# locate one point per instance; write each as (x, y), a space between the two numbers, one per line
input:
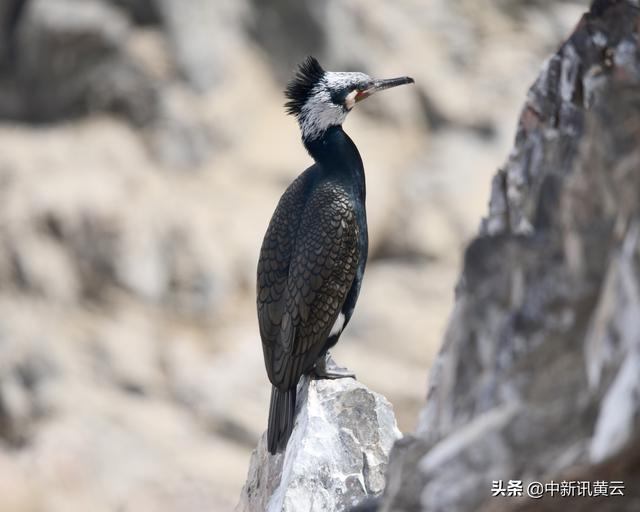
(281, 416)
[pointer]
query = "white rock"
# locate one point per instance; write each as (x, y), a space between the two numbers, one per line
(336, 456)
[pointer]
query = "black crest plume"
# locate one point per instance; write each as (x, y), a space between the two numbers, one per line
(299, 88)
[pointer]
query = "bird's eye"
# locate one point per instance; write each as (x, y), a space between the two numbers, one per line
(339, 96)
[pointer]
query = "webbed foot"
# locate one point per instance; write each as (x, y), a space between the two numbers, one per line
(326, 368)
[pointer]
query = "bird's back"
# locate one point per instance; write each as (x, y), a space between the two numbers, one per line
(307, 265)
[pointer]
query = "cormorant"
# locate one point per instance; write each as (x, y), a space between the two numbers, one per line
(315, 250)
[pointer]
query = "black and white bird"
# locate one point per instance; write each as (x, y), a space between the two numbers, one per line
(314, 252)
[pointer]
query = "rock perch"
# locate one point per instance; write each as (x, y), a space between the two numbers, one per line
(336, 457)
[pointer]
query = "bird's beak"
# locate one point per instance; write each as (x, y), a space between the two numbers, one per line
(381, 85)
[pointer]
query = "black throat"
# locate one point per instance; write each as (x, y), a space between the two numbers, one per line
(338, 157)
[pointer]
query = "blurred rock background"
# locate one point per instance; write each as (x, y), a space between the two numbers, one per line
(143, 147)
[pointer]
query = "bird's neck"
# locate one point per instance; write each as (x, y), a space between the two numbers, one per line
(336, 153)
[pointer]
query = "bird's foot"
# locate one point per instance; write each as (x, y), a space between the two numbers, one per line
(326, 368)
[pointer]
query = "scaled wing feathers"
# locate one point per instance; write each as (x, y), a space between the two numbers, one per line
(298, 305)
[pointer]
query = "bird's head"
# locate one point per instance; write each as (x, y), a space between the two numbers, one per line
(320, 99)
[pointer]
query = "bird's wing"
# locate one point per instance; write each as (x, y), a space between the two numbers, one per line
(323, 266)
(275, 257)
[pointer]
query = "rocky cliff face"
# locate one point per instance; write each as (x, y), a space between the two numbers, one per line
(537, 379)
